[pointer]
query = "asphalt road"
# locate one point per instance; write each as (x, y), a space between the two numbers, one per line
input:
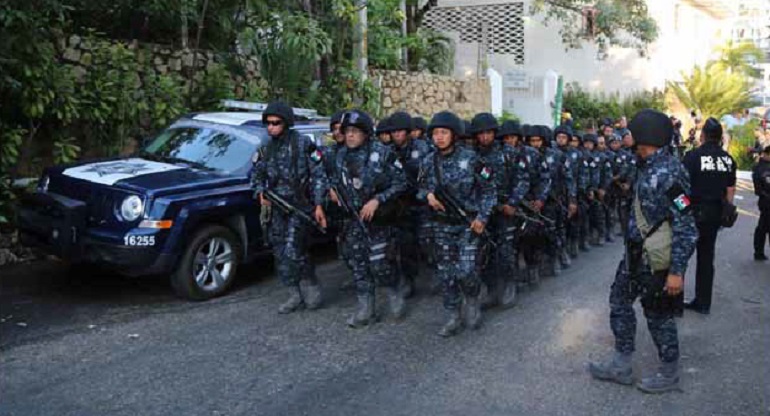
(105, 345)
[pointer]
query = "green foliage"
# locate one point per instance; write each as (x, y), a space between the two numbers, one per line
(508, 116)
(623, 23)
(65, 150)
(215, 86)
(431, 51)
(713, 91)
(740, 152)
(738, 58)
(588, 109)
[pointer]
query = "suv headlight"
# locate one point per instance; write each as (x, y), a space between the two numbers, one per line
(131, 208)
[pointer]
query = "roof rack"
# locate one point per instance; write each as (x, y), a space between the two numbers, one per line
(261, 107)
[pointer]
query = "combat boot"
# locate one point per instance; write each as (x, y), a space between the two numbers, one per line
(564, 259)
(608, 238)
(491, 297)
(617, 369)
(407, 287)
(473, 312)
(294, 302)
(364, 315)
(509, 297)
(555, 265)
(666, 379)
(572, 248)
(547, 267)
(396, 303)
(533, 275)
(312, 295)
(452, 325)
(583, 246)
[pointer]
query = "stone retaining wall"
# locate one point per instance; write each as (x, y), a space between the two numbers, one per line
(426, 94)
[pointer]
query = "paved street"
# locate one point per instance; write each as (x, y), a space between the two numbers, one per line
(110, 345)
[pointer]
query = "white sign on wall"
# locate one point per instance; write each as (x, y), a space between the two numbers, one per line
(516, 78)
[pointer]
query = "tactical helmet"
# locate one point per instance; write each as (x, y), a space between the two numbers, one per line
(509, 128)
(483, 122)
(336, 118)
(358, 118)
(590, 137)
(279, 109)
(419, 123)
(651, 127)
(447, 120)
(383, 126)
(400, 120)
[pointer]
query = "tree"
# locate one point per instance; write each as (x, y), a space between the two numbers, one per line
(738, 58)
(713, 91)
(623, 23)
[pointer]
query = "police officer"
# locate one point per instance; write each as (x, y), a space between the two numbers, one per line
(459, 172)
(410, 153)
(371, 176)
(761, 179)
(532, 245)
(596, 220)
(292, 167)
(512, 183)
(569, 192)
(585, 190)
(333, 212)
(561, 194)
(626, 179)
(604, 160)
(662, 226)
(581, 178)
(383, 131)
(712, 174)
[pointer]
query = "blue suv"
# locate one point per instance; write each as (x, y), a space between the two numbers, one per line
(182, 205)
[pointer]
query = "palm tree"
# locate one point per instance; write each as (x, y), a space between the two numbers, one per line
(713, 90)
(738, 58)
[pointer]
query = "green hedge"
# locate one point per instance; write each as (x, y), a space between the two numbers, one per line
(588, 109)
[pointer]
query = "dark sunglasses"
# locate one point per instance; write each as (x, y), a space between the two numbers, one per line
(274, 123)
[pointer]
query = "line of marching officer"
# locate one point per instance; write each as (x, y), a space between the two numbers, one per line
(486, 208)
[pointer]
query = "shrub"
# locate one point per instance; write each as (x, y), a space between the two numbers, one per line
(588, 109)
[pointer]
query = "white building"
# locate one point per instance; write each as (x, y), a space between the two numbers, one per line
(525, 51)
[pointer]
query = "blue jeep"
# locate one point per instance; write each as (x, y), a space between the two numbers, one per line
(182, 205)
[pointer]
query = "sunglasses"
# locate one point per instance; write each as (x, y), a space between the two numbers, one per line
(274, 123)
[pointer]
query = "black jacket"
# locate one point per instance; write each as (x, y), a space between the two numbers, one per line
(761, 177)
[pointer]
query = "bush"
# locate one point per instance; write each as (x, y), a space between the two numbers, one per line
(588, 109)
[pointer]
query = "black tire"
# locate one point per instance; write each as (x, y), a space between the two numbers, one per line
(183, 279)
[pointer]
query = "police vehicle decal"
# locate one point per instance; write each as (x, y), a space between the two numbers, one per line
(108, 173)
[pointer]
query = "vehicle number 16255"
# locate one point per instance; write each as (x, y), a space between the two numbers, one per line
(139, 240)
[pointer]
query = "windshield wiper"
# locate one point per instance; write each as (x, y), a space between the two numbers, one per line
(170, 159)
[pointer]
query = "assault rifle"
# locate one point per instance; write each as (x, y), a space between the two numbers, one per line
(345, 200)
(456, 210)
(289, 209)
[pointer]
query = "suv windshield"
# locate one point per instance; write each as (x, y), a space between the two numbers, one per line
(201, 148)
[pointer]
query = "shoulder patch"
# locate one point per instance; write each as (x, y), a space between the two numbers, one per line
(316, 156)
(485, 172)
(464, 164)
(680, 200)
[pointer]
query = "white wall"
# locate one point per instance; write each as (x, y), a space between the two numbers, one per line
(687, 37)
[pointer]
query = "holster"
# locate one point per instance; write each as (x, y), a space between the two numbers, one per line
(650, 285)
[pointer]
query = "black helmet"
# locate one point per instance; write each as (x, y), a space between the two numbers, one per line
(607, 122)
(336, 118)
(358, 119)
(447, 120)
(483, 122)
(590, 137)
(712, 129)
(467, 129)
(279, 109)
(400, 120)
(419, 123)
(509, 128)
(651, 127)
(563, 129)
(383, 126)
(577, 135)
(526, 131)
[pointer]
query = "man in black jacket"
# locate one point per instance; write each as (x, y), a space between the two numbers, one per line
(712, 175)
(761, 177)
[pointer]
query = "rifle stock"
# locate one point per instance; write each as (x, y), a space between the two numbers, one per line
(289, 209)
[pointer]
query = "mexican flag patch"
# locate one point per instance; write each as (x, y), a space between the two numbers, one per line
(682, 202)
(316, 156)
(486, 173)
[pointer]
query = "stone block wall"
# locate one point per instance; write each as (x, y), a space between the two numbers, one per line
(426, 94)
(159, 58)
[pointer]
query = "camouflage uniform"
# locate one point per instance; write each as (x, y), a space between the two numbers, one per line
(461, 174)
(533, 242)
(511, 179)
(562, 193)
(291, 166)
(659, 174)
(372, 171)
(601, 171)
(580, 178)
(409, 229)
